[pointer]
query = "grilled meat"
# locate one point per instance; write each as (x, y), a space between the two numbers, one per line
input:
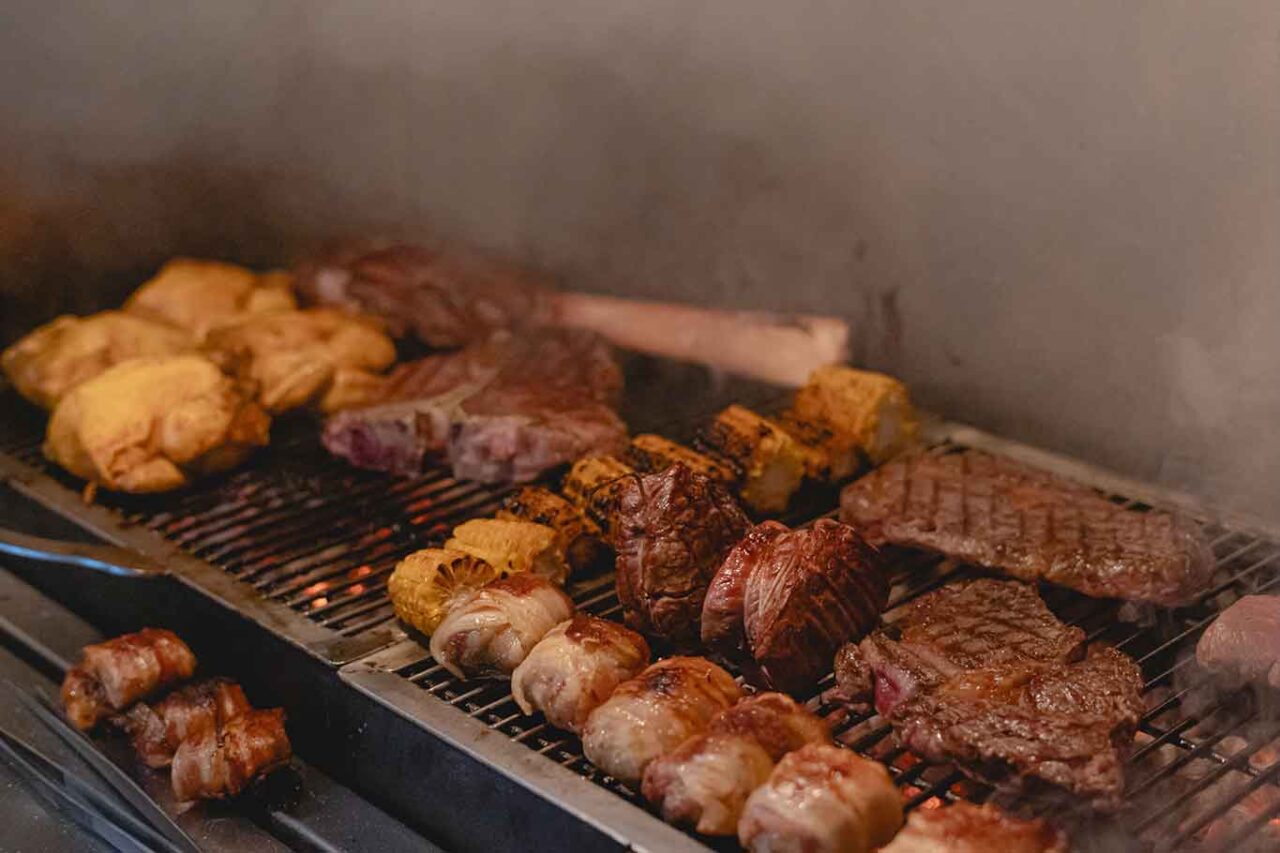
(114, 674)
(157, 729)
(503, 409)
(770, 463)
(997, 513)
(983, 674)
(593, 484)
(789, 598)
(578, 537)
(444, 296)
(1245, 641)
(653, 713)
(512, 546)
(705, 781)
(48, 362)
(154, 424)
(575, 668)
(652, 453)
(199, 295)
(427, 584)
(674, 529)
(222, 760)
(822, 799)
(492, 631)
(965, 828)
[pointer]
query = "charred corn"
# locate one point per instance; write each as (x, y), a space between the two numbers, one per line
(427, 583)
(512, 546)
(843, 412)
(650, 453)
(578, 536)
(592, 484)
(771, 462)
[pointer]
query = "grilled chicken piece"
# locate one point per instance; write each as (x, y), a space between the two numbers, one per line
(293, 357)
(785, 600)
(578, 537)
(842, 412)
(652, 453)
(1245, 641)
(198, 295)
(492, 631)
(575, 667)
(112, 675)
(221, 761)
(965, 828)
(157, 729)
(704, 783)
(154, 424)
(593, 484)
(48, 362)
(771, 464)
(674, 529)
(822, 799)
(427, 584)
(655, 712)
(512, 546)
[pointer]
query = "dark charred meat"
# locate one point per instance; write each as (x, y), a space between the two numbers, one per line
(965, 828)
(785, 600)
(1030, 524)
(221, 761)
(114, 674)
(1245, 641)
(444, 296)
(157, 729)
(981, 673)
(673, 531)
(504, 409)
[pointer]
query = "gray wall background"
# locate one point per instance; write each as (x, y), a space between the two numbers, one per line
(1060, 220)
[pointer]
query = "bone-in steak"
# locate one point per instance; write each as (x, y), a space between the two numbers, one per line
(997, 513)
(980, 672)
(505, 409)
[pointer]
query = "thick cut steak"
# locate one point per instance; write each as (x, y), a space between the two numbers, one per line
(981, 673)
(1030, 524)
(1245, 641)
(505, 409)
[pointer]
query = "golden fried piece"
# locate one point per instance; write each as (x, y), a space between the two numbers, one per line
(58, 356)
(294, 357)
(152, 424)
(198, 295)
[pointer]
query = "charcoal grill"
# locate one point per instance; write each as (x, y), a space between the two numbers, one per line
(303, 545)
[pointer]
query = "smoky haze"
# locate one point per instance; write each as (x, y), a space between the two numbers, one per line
(1057, 221)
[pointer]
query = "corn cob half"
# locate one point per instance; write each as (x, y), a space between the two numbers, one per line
(592, 484)
(512, 546)
(578, 536)
(771, 462)
(427, 583)
(651, 453)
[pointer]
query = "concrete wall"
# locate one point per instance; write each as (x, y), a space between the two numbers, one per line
(1060, 221)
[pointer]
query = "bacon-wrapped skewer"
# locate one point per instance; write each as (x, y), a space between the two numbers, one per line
(221, 761)
(114, 674)
(159, 728)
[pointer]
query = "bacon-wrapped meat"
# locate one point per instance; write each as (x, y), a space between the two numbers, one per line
(575, 667)
(114, 674)
(655, 712)
(221, 761)
(492, 631)
(159, 728)
(965, 828)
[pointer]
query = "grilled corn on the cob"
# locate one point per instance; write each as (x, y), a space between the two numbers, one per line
(578, 536)
(651, 453)
(427, 583)
(512, 546)
(771, 462)
(592, 483)
(842, 412)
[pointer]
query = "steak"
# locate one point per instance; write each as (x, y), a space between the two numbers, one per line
(505, 409)
(1030, 524)
(981, 673)
(1244, 641)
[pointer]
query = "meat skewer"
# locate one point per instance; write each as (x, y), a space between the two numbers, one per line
(114, 674)
(157, 729)
(965, 828)
(221, 761)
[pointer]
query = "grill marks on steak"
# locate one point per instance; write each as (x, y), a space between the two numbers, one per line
(505, 409)
(1030, 524)
(981, 673)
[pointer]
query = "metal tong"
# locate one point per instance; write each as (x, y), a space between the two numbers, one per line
(109, 559)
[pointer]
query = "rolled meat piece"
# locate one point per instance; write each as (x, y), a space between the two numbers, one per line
(822, 799)
(655, 712)
(493, 630)
(157, 729)
(221, 761)
(965, 828)
(114, 674)
(575, 667)
(777, 722)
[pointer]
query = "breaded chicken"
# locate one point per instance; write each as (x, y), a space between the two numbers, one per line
(199, 295)
(51, 360)
(153, 424)
(294, 357)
